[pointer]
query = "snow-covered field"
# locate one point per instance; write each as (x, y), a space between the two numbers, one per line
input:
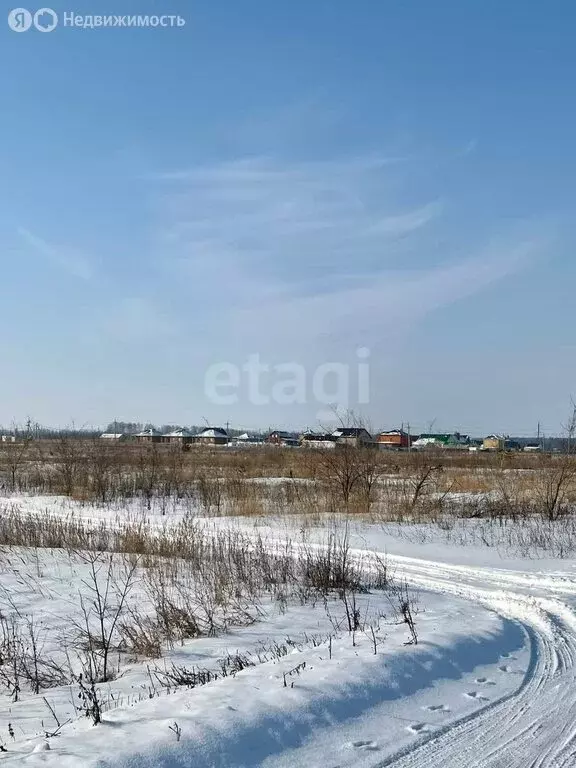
(490, 683)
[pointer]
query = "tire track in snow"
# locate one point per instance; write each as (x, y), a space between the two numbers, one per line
(535, 726)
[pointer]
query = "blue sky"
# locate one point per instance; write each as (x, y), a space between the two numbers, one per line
(293, 180)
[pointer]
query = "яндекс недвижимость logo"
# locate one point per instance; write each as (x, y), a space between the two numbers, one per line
(21, 20)
(46, 19)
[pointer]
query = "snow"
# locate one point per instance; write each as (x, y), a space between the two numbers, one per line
(149, 433)
(212, 432)
(489, 684)
(252, 717)
(181, 432)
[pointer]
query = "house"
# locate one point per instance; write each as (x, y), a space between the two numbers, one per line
(180, 436)
(115, 437)
(441, 440)
(248, 439)
(211, 436)
(493, 443)
(394, 439)
(314, 440)
(355, 437)
(150, 435)
(279, 437)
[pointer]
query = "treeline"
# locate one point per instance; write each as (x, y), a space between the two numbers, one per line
(32, 429)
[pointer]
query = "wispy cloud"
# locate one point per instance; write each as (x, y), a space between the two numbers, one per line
(372, 312)
(308, 256)
(70, 260)
(405, 223)
(292, 222)
(258, 168)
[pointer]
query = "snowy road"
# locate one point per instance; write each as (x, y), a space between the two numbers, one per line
(535, 727)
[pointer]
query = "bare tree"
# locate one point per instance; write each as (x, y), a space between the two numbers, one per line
(67, 462)
(102, 461)
(148, 472)
(423, 475)
(16, 453)
(555, 487)
(341, 469)
(570, 429)
(102, 606)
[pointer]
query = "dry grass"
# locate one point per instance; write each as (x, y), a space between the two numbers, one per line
(271, 481)
(145, 591)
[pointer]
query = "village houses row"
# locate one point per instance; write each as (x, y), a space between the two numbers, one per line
(358, 437)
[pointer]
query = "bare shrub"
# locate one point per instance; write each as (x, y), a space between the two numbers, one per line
(103, 468)
(141, 636)
(340, 468)
(15, 456)
(422, 480)
(11, 653)
(67, 463)
(102, 606)
(405, 606)
(555, 488)
(148, 472)
(91, 703)
(331, 567)
(178, 676)
(23, 659)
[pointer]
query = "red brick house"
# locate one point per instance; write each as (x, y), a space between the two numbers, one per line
(394, 439)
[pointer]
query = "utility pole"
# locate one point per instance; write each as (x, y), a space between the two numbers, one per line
(409, 438)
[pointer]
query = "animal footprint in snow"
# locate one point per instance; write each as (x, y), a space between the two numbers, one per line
(438, 708)
(507, 656)
(476, 696)
(417, 727)
(505, 668)
(370, 746)
(485, 681)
